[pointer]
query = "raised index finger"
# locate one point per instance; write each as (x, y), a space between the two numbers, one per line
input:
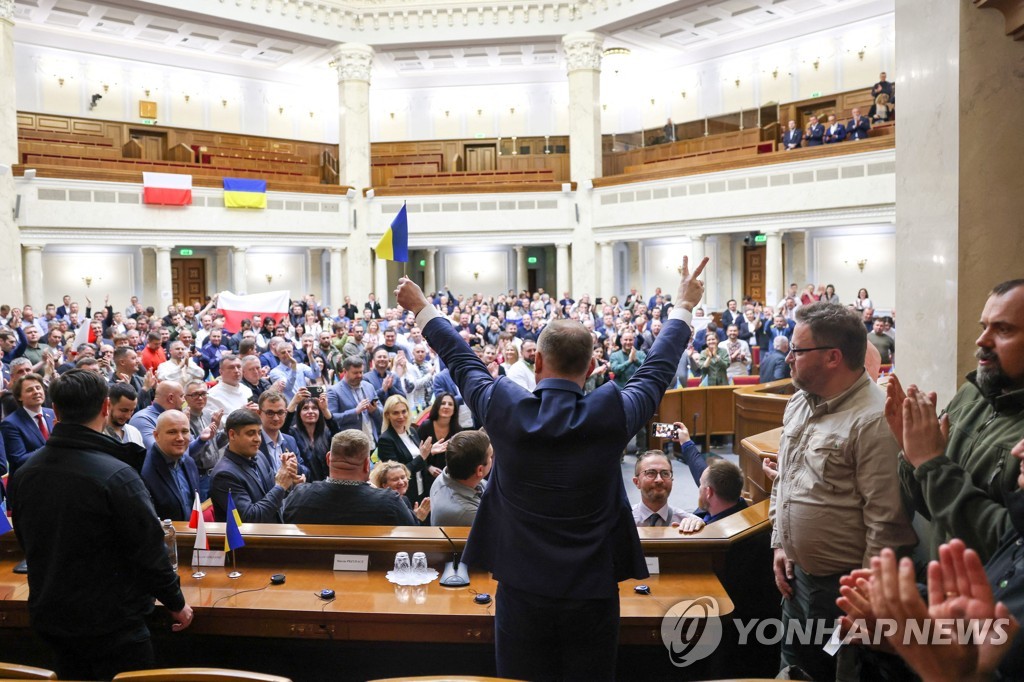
(700, 268)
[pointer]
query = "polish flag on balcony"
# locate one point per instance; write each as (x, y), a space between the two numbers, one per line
(238, 307)
(167, 189)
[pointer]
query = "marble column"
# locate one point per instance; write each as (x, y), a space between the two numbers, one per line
(563, 278)
(336, 297)
(381, 285)
(522, 277)
(33, 281)
(773, 284)
(636, 275)
(164, 280)
(959, 203)
(583, 55)
(607, 276)
(353, 63)
(239, 273)
(430, 271)
(10, 238)
(798, 259)
(739, 264)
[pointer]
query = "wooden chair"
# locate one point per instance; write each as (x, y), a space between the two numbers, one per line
(693, 382)
(14, 671)
(197, 675)
(746, 381)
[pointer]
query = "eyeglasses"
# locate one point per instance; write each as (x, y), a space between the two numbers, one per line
(652, 474)
(797, 351)
(197, 394)
(275, 413)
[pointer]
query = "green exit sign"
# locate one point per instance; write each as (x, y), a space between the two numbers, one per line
(185, 252)
(760, 239)
(479, 136)
(423, 263)
(148, 122)
(532, 260)
(816, 93)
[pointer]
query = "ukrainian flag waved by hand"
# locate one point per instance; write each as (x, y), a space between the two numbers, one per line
(394, 245)
(232, 528)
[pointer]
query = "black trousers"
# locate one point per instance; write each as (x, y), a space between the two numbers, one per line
(101, 657)
(543, 638)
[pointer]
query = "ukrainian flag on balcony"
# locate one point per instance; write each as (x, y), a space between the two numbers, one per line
(394, 244)
(245, 193)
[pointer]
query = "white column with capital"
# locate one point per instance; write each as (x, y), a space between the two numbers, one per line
(33, 282)
(698, 250)
(563, 278)
(522, 277)
(430, 272)
(773, 284)
(353, 63)
(381, 285)
(739, 265)
(583, 57)
(336, 297)
(607, 270)
(10, 237)
(164, 283)
(239, 273)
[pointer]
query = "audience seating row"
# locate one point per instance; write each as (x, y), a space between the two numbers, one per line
(207, 153)
(55, 136)
(520, 177)
(71, 150)
(156, 166)
(703, 158)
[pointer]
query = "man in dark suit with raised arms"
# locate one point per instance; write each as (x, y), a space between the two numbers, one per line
(558, 544)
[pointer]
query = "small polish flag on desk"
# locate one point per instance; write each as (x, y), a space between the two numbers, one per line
(167, 189)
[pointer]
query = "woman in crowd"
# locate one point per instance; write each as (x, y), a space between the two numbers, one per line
(265, 333)
(400, 443)
(442, 423)
(881, 111)
(599, 376)
(395, 476)
(400, 368)
(863, 300)
(829, 296)
(372, 338)
(511, 355)
(713, 362)
(312, 426)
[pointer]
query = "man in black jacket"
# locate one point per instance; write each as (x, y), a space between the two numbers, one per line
(93, 540)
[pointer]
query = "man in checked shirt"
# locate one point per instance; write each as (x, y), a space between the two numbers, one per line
(836, 502)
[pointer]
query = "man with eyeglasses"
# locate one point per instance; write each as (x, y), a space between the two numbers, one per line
(836, 501)
(653, 477)
(204, 420)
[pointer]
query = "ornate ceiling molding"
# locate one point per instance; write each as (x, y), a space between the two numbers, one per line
(7, 10)
(583, 51)
(353, 62)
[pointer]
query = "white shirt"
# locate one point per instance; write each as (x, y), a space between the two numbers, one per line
(229, 398)
(523, 375)
(172, 371)
(669, 515)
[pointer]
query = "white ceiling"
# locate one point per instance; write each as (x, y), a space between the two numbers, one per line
(673, 31)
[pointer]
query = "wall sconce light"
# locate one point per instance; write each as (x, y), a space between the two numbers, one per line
(683, 93)
(476, 275)
(775, 73)
(737, 81)
(187, 98)
(652, 101)
(479, 112)
(106, 88)
(604, 107)
(816, 63)
(392, 116)
(512, 110)
(861, 52)
(60, 81)
(88, 281)
(861, 263)
(446, 112)
(270, 278)
(146, 91)
(311, 114)
(224, 103)
(280, 110)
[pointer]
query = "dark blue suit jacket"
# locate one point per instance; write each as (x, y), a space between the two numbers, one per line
(838, 136)
(377, 380)
(555, 520)
(22, 437)
(859, 131)
(342, 404)
(164, 489)
(792, 137)
(257, 498)
(815, 134)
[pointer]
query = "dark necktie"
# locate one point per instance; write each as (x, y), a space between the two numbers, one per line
(42, 427)
(654, 520)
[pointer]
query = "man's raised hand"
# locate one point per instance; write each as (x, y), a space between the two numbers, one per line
(410, 296)
(691, 289)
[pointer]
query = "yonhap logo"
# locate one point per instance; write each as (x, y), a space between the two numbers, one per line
(691, 630)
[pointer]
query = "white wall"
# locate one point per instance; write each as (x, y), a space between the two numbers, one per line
(835, 262)
(111, 273)
(288, 270)
(467, 272)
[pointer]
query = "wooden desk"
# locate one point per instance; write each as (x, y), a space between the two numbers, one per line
(753, 451)
(759, 409)
(369, 608)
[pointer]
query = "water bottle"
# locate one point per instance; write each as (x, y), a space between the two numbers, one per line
(170, 544)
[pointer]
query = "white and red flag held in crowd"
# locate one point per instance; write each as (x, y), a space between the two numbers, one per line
(237, 307)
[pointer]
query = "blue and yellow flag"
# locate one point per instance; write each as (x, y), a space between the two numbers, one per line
(245, 193)
(394, 245)
(5, 525)
(232, 533)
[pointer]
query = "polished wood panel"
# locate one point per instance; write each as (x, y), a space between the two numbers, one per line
(196, 675)
(753, 272)
(753, 451)
(759, 408)
(14, 671)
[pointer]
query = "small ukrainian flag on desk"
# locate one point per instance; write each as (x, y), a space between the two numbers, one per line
(245, 193)
(394, 244)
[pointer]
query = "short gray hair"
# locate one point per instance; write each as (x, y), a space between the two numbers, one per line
(779, 342)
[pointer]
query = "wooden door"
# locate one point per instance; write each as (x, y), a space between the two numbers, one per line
(188, 280)
(753, 272)
(480, 158)
(154, 145)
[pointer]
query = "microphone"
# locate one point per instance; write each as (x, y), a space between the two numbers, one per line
(455, 573)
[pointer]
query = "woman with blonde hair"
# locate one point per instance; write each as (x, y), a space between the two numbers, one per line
(395, 475)
(399, 442)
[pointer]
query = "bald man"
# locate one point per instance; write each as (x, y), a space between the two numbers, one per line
(169, 395)
(168, 472)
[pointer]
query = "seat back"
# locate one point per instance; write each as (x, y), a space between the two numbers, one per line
(746, 380)
(197, 675)
(16, 671)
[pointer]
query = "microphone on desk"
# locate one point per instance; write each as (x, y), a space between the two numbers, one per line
(455, 573)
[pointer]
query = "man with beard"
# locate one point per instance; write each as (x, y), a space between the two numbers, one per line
(836, 501)
(653, 477)
(960, 480)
